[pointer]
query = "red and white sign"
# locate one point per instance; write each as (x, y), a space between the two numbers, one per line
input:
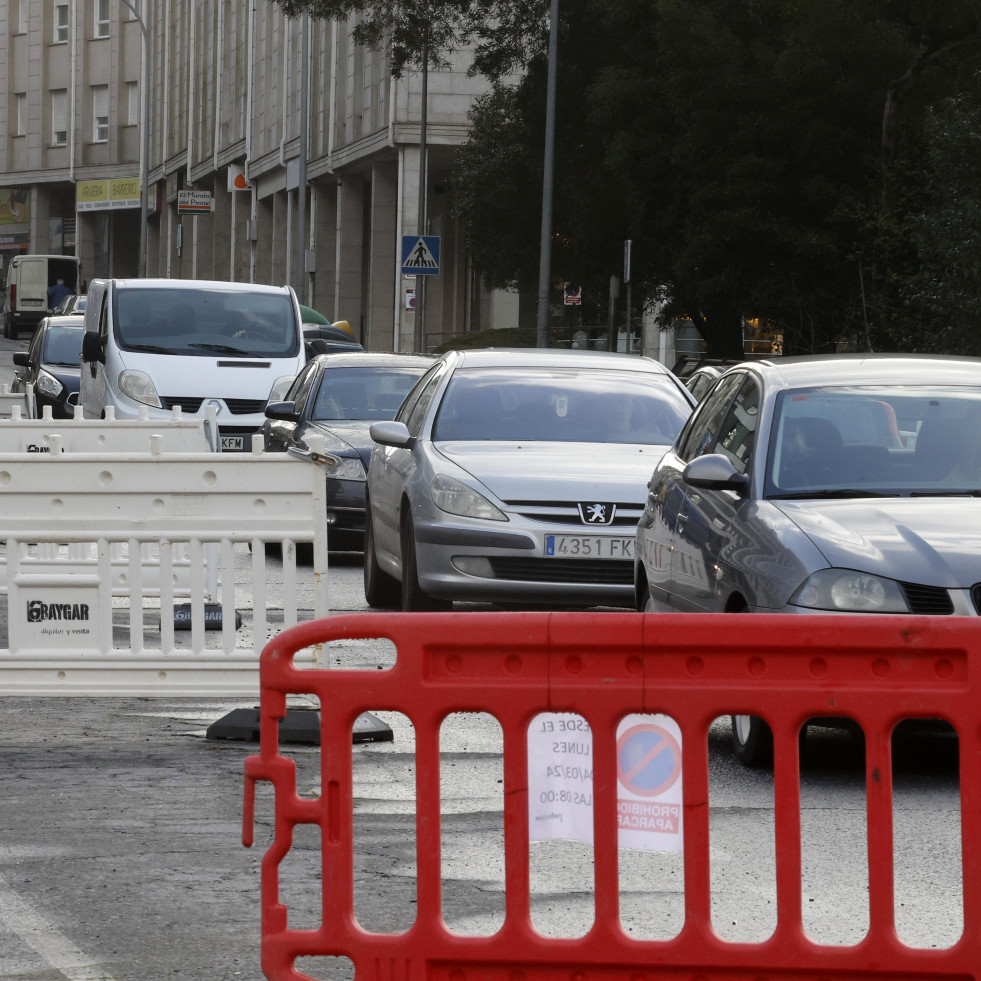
(649, 785)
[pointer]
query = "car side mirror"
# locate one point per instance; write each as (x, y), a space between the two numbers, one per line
(20, 359)
(92, 346)
(286, 411)
(392, 434)
(714, 471)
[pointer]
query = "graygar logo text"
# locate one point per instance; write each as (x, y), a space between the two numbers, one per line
(39, 611)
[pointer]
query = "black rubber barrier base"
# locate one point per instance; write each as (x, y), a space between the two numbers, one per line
(301, 725)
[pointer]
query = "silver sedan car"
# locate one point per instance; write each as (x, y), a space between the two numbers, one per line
(843, 484)
(517, 477)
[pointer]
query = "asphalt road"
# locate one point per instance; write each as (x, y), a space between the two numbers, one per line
(121, 855)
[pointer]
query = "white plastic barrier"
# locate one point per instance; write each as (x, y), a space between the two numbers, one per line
(179, 433)
(68, 634)
(48, 435)
(19, 401)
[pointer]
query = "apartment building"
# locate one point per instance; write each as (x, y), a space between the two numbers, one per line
(204, 99)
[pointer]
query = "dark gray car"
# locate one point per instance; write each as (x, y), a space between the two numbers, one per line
(845, 484)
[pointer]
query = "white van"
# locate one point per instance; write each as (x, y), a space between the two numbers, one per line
(161, 343)
(26, 292)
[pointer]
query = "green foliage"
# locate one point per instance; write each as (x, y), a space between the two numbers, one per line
(810, 162)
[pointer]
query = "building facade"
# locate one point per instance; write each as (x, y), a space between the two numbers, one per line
(204, 99)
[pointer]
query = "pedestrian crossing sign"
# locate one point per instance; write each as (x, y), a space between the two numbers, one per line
(420, 255)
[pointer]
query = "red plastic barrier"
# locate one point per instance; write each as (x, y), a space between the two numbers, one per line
(876, 670)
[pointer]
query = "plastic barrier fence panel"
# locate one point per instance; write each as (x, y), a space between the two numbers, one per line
(15, 402)
(178, 433)
(608, 725)
(98, 546)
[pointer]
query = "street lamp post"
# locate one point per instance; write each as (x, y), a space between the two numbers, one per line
(545, 255)
(145, 148)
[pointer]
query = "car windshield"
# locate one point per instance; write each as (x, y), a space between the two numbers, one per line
(363, 393)
(62, 346)
(561, 405)
(206, 322)
(874, 440)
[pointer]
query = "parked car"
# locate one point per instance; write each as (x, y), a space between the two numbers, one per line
(820, 485)
(516, 476)
(325, 338)
(338, 396)
(702, 379)
(51, 364)
(153, 344)
(73, 303)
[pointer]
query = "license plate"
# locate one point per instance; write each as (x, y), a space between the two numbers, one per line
(233, 443)
(32, 303)
(588, 547)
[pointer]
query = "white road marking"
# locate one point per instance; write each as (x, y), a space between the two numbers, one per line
(19, 918)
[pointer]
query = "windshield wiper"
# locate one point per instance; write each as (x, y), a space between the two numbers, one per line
(829, 494)
(152, 348)
(223, 349)
(945, 493)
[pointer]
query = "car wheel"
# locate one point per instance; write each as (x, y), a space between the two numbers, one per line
(414, 600)
(381, 590)
(752, 740)
(644, 602)
(10, 328)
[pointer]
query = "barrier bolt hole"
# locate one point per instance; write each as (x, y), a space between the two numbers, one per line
(695, 665)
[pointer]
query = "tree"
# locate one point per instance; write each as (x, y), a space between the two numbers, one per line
(766, 157)
(504, 34)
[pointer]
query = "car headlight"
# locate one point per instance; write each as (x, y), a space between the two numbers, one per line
(48, 385)
(847, 591)
(138, 386)
(341, 467)
(451, 496)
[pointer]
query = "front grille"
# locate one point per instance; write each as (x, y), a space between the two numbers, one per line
(243, 407)
(928, 600)
(567, 513)
(237, 407)
(186, 404)
(603, 572)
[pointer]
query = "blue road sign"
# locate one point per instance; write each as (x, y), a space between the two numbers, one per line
(420, 255)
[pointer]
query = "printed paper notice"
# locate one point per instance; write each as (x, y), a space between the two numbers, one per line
(649, 784)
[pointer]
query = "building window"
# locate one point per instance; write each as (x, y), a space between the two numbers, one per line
(100, 113)
(59, 117)
(22, 114)
(22, 16)
(131, 14)
(133, 99)
(102, 18)
(61, 22)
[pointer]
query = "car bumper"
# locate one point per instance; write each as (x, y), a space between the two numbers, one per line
(510, 565)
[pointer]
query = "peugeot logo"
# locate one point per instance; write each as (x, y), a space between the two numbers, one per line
(597, 514)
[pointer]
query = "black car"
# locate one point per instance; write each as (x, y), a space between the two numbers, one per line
(326, 338)
(338, 396)
(52, 365)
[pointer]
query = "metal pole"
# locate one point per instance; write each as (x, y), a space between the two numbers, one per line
(301, 189)
(145, 149)
(545, 256)
(419, 338)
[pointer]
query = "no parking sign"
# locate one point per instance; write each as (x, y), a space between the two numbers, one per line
(649, 785)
